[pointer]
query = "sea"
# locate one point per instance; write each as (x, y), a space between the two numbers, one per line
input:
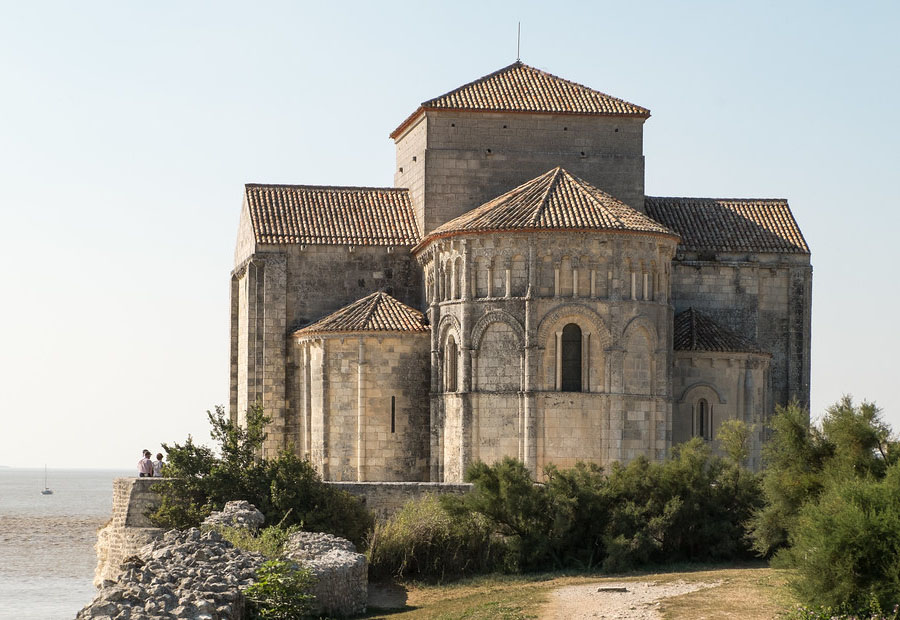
(47, 555)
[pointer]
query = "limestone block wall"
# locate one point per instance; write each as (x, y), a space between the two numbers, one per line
(766, 298)
(733, 386)
(472, 157)
(362, 405)
(258, 342)
(325, 278)
(386, 498)
(409, 171)
(500, 304)
(281, 288)
(128, 530)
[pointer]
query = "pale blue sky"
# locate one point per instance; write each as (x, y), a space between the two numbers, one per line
(128, 129)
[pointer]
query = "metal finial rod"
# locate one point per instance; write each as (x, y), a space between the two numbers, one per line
(519, 43)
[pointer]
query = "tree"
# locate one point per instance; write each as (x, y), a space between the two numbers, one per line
(734, 438)
(286, 489)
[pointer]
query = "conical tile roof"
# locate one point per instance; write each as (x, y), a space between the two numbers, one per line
(521, 88)
(556, 200)
(695, 331)
(378, 312)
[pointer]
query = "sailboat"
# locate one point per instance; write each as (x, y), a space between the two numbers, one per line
(47, 490)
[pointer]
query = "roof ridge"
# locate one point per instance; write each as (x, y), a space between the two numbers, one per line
(716, 199)
(473, 82)
(545, 198)
(376, 301)
(580, 85)
(590, 191)
(333, 187)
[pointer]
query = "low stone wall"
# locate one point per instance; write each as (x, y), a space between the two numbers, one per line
(128, 530)
(386, 498)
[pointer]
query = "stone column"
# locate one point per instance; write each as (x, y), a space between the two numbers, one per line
(361, 414)
(558, 361)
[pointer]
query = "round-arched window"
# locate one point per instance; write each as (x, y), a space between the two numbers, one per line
(571, 358)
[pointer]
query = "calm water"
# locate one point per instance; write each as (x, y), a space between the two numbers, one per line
(47, 556)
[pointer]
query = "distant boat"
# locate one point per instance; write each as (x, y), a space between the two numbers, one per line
(46, 490)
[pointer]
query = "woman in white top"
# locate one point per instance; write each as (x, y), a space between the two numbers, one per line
(157, 466)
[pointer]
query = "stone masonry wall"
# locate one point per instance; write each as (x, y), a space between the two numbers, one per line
(767, 300)
(472, 157)
(325, 278)
(281, 288)
(386, 498)
(392, 400)
(128, 530)
(499, 304)
(735, 386)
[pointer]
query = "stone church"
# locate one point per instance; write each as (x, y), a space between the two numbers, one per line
(516, 294)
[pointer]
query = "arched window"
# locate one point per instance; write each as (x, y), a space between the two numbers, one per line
(703, 425)
(451, 360)
(571, 358)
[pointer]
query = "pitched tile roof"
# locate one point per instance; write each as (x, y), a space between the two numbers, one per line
(730, 225)
(556, 200)
(378, 312)
(310, 214)
(521, 88)
(697, 332)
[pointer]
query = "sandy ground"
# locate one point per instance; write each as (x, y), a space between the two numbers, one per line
(640, 601)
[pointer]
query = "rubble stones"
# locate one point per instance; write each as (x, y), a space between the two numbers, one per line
(239, 513)
(183, 575)
(341, 573)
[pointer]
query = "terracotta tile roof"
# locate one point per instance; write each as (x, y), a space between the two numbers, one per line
(730, 225)
(697, 332)
(378, 312)
(556, 200)
(310, 214)
(521, 88)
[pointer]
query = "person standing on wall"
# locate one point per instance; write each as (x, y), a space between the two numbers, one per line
(157, 465)
(145, 466)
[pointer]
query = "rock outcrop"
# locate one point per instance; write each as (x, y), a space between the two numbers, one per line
(341, 573)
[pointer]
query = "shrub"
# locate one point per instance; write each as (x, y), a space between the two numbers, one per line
(846, 545)
(801, 460)
(269, 541)
(692, 507)
(282, 592)
(286, 489)
(423, 541)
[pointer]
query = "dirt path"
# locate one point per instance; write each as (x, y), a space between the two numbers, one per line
(639, 600)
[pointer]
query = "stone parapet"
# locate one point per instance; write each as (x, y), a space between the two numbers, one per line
(129, 529)
(386, 498)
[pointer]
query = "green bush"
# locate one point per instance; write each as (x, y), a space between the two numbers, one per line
(846, 545)
(286, 489)
(268, 541)
(282, 592)
(423, 541)
(692, 507)
(801, 459)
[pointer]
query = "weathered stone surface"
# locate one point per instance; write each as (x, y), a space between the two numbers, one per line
(341, 573)
(238, 513)
(183, 574)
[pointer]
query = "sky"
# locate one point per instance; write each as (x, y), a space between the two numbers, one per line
(128, 129)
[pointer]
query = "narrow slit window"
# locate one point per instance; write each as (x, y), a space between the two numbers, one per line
(571, 358)
(393, 413)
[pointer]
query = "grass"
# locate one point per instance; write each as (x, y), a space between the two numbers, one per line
(748, 592)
